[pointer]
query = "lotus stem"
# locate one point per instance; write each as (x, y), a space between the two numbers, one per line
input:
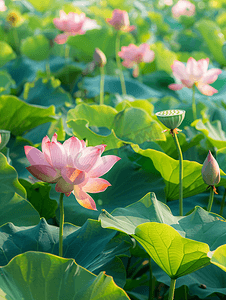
(61, 225)
(48, 72)
(210, 199)
(222, 203)
(193, 104)
(172, 289)
(101, 85)
(117, 49)
(150, 281)
(180, 172)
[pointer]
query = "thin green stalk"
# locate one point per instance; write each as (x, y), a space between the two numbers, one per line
(61, 225)
(193, 104)
(210, 199)
(117, 49)
(67, 52)
(16, 39)
(150, 281)
(180, 173)
(172, 289)
(222, 203)
(101, 85)
(48, 72)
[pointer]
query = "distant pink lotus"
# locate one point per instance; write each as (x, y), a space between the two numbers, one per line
(183, 8)
(72, 166)
(2, 5)
(72, 24)
(120, 20)
(133, 55)
(195, 73)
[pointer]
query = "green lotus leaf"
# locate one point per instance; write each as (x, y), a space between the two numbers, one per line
(20, 117)
(7, 53)
(36, 47)
(213, 132)
(218, 257)
(176, 255)
(14, 208)
(41, 276)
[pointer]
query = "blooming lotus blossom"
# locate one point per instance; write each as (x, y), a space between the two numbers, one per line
(2, 5)
(195, 73)
(72, 24)
(72, 166)
(133, 55)
(211, 171)
(120, 20)
(183, 8)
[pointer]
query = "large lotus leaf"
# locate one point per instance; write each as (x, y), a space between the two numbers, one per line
(91, 246)
(147, 209)
(40, 5)
(202, 283)
(221, 158)
(176, 255)
(213, 37)
(129, 183)
(6, 83)
(112, 85)
(218, 257)
(82, 131)
(36, 47)
(46, 92)
(123, 123)
(97, 115)
(14, 208)
(7, 53)
(209, 227)
(143, 104)
(169, 168)
(213, 132)
(136, 125)
(19, 117)
(104, 39)
(38, 196)
(159, 80)
(42, 276)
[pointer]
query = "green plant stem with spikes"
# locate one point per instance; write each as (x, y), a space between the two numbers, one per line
(222, 203)
(210, 199)
(101, 85)
(119, 65)
(61, 225)
(180, 172)
(193, 104)
(172, 289)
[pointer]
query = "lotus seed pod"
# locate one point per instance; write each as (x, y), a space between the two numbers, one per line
(211, 170)
(4, 138)
(99, 57)
(171, 118)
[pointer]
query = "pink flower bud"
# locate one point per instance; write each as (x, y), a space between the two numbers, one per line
(210, 170)
(99, 57)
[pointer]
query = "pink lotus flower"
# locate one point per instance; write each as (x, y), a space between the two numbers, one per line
(2, 6)
(72, 24)
(72, 166)
(195, 73)
(168, 2)
(120, 20)
(183, 8)
(133, 55)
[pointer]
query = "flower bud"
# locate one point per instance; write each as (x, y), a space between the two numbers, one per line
(4, 138)
(99, 58)
(171, 118)
(210, 170)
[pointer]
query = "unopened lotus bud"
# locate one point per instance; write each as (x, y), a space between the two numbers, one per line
(211, 170)
(171, 118)
(99, 58)
(4, 138)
